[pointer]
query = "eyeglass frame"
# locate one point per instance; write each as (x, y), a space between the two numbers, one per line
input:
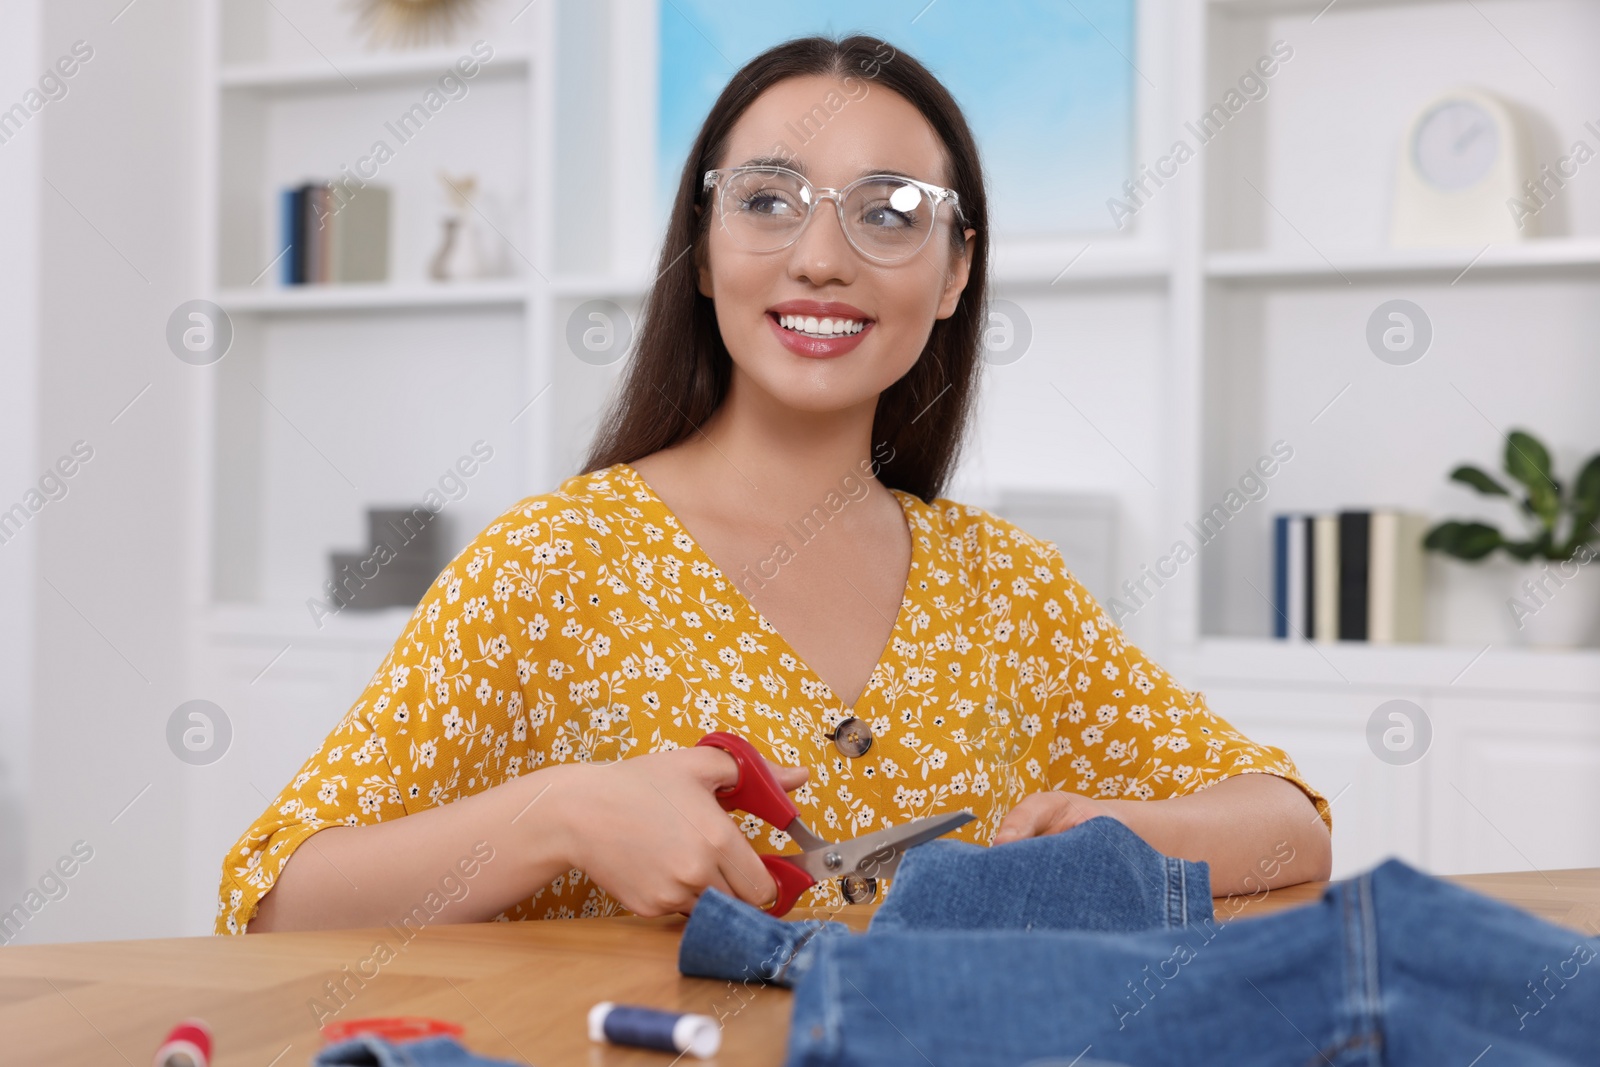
(937, 193)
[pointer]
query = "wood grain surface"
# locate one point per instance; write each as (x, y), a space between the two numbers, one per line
(522, 990)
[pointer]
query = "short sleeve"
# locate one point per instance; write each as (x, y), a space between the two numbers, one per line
(1125, 728)
(431, 725)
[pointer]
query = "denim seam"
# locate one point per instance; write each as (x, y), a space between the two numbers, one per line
(1371, 1021)
(832, 1006)
(1177, 895)
(1358, 1026)
(794, 953)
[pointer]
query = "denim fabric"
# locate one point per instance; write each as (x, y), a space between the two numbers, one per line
(1391, 968)
(727, 938)
(1097, 876)
(368, 1050)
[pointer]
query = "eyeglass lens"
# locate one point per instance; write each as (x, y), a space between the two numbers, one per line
(886, 218)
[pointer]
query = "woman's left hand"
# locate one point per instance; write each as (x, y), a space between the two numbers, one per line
(1039, 814)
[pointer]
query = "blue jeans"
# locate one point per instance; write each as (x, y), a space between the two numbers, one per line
(368, 1050)
(1393, 967)
(1099, 876)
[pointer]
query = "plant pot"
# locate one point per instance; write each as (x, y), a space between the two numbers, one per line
(1556, 605)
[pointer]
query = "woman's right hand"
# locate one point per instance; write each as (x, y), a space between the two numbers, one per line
(650, 833)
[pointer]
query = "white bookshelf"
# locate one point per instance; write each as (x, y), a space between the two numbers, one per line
(373, 297)
(1545, 255)
(1287, 255)
(1223, 318)
(360, 71)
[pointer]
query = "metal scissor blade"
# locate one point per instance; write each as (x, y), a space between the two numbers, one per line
(877, 854)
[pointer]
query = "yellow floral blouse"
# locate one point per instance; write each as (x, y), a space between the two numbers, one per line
(586, 624)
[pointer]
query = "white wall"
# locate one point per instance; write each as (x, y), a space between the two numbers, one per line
(19, 294)
(116, 256)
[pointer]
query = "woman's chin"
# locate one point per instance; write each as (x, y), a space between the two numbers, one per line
(817, 393)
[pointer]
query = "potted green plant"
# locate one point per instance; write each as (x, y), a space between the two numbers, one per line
(1555, 601)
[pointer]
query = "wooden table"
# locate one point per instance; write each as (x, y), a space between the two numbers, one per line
(522, 990)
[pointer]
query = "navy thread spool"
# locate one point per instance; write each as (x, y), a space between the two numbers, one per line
(669, 1031)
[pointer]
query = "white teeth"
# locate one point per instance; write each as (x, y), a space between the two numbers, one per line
(814, 327)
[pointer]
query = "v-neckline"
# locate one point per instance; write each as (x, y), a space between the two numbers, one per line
(901, 619)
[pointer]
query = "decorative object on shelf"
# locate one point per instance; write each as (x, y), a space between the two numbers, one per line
(1353, 575)
(410, 23)
(460, 256)
(333, 234)
(402, 560)
(1463, 163)
(1553, 605)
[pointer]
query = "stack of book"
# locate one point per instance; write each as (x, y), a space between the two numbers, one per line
(335, 233)
(1348, 576)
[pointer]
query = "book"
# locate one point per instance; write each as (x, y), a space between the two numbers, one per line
(1325, 588)
(1308, 563)
(1354, 560)
(1394, 598)
(297, 235)
(286, 236)
(1280, 575)
(359, 249)
(1291, 577)
(316, 231)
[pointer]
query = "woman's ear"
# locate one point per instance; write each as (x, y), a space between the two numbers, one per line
(956, 280)
(702, 261)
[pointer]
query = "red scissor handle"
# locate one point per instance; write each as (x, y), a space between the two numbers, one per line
(756, 791)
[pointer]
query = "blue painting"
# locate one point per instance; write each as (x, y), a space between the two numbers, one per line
(1047, 87)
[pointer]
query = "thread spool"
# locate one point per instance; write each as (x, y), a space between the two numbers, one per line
(188, 1045)
(669, 1031)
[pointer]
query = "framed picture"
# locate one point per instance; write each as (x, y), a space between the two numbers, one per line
(1048, 88)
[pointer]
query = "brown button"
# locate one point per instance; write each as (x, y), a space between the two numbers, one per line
(858, 888)
(852, 737)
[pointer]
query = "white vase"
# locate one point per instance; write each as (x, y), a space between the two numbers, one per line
(1556, 605)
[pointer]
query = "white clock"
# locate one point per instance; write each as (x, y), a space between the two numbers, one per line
(1462, 158)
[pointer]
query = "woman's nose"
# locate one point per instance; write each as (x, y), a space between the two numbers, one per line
(823, 253)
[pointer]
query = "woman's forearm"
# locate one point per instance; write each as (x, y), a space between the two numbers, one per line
(1255, 831)
(512, 839)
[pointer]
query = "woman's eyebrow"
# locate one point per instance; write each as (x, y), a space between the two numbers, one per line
(800, 167)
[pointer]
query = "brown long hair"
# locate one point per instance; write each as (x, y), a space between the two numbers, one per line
(681, 369)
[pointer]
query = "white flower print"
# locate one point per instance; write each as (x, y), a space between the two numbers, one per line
(586, 624)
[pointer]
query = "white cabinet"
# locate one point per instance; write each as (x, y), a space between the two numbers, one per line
(281, 696)
(1376, 806)
(1510, 777)
(1515, 784)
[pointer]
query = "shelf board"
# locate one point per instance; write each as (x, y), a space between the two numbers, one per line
(1071, 264)
(276, 625)
(1580, 253)
(500, 292)
(365, 71)
(1347, 665)
(597, 285)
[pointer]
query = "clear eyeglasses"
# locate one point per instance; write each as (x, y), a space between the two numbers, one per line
(886, 218)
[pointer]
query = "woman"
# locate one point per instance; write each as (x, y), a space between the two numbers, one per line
(756, 544)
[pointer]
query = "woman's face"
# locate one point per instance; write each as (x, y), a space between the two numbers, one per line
(832, 132)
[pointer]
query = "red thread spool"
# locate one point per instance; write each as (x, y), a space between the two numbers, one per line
(188, 1045)
(393, 1028)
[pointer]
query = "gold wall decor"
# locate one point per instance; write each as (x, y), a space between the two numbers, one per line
(410, 23)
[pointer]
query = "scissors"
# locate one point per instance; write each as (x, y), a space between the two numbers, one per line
(856, 862)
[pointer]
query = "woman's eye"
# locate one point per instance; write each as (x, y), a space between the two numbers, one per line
(885, 217)
(766, 204)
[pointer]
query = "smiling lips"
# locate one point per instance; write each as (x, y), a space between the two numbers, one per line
(818, 330)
